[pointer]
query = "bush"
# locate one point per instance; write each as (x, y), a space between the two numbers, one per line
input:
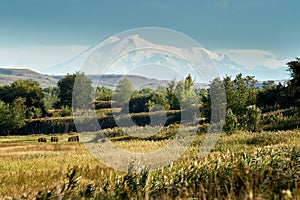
(139, 104)
(251, 118)
(230, 122)
(66, 111)
(281, 120)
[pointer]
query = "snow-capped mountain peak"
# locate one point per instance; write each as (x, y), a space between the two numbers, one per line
(122, 55)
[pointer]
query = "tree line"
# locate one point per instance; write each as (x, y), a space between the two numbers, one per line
(25, 99)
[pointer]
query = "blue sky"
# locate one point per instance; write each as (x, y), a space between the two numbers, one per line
(41, 33)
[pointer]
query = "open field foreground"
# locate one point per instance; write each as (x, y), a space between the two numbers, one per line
(241, 166)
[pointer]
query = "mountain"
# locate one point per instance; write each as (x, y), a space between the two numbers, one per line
(145, 62)
(7, 76)
(123, 54)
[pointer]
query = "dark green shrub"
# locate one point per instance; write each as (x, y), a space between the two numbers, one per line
(230, 122)
(139, 104)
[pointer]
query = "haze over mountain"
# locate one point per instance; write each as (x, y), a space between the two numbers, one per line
(147, 64)
(101, 59)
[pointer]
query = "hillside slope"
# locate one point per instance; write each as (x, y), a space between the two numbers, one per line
(7, 76)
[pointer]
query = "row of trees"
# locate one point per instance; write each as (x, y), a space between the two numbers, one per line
(246, 101)
(174, 96)
(242, 94)
(241, 97)
(25, 99)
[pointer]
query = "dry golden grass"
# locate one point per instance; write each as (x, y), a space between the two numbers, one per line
(27, 166)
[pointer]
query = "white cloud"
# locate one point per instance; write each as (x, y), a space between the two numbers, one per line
(254, 58)
(38, 57)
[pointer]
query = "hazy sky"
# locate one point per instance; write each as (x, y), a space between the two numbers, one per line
(41, 33)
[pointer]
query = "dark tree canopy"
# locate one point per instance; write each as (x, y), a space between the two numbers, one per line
(30, 90)
(294, 69)
(83, 91)
(12, 116)
(65, 86)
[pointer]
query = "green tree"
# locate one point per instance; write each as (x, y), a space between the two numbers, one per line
(273, 97)
(18, 111)
(5, 118)
(172, 100)
(82, 94)
(201, 93)
(65, 86)
(214, 105)
(50, 97)
(184, 93)
(123, 91)
(241, 92)
(158, 98)
(267, 96)
(294, 69)
(12, 116)
(79, 96)
(103, 94)
(142, 92)
(180, 93)
(188, 91)
(252, 118)
(30, 90)
(140, 99)
(230, 122)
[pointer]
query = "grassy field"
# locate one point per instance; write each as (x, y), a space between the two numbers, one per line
(242, 165)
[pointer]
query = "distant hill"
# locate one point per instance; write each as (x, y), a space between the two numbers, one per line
(7, 76)
(111, 80)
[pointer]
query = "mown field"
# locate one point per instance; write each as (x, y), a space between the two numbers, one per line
(242, 165)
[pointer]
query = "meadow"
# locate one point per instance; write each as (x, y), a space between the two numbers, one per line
(242, 165)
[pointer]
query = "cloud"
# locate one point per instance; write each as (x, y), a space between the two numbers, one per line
(255, 58)
(38, 57)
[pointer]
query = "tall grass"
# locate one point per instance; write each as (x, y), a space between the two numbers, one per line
(241, 166)
(266, 174)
